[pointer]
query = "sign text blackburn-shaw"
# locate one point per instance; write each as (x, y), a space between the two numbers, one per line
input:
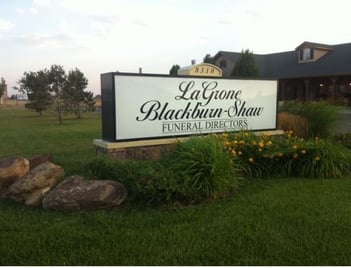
(156, 106)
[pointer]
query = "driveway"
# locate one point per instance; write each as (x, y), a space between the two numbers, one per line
(344, 124)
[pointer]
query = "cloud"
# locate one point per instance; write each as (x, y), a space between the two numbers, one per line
(224, 21)
(20, 10)
(252, 12)
(42, 40)
(41, 3)
(141, 23)
(64, 25)
(90, 7)
(30, 10)
(5, 25)
(108, 19)
(33, 10)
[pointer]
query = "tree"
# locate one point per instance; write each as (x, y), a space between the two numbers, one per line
(246, 65)
(209, 59)
(88, 101)
(36, 85)
(174, 70)
(2, 87)
(57, 80)
(53, 88)
(74, 95)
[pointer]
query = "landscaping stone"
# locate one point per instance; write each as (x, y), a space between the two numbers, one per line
(11, 169)
(78, 194)
(31, 188)
(36, 160)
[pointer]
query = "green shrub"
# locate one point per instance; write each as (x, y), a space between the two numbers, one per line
(320, 115)
(147, 182)
(323, 159)
(132, 173)
(343, 139)
(212, 166)
(288, 156)
(121, 170)
(196, 170)
(202, 168)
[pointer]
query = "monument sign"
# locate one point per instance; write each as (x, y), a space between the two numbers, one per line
(146, 106)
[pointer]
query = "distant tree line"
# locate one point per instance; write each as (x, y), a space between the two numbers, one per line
(244, 67)
(53, 88)
(2, 87)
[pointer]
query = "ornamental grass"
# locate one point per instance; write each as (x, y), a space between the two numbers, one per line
(293, 122)
(202, 169)
(312, 119)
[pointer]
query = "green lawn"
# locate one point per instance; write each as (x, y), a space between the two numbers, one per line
(268, 222)
(24, 133)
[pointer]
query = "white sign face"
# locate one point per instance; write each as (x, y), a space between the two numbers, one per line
(156, 107)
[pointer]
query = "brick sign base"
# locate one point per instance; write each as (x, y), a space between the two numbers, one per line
(147, 149)
(138, 150)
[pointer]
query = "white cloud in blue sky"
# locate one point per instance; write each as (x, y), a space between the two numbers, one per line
(100, 36)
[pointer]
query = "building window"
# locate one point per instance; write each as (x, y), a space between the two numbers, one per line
(223, 64)
(306, 54)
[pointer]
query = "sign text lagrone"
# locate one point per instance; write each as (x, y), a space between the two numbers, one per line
(159, 106)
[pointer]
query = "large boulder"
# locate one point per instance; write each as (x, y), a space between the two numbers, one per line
(37, 160)
(11, 169)
(76, 193)
(31, 188)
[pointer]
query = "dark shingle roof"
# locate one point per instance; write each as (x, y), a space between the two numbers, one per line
(234, 56)
(285, 64)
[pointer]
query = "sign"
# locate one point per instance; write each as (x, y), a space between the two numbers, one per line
(202, 69)
(159, 106)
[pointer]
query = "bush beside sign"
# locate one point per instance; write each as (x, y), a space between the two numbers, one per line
(136, 107)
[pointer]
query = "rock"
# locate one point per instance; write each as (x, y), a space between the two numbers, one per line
(11, 169)
(36, 160)
(31, 188)
(76, 193)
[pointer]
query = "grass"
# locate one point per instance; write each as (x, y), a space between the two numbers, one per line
(269, 222)
(281, 221)
(24, 133)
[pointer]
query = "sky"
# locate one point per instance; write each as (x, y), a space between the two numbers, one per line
(100, 36)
